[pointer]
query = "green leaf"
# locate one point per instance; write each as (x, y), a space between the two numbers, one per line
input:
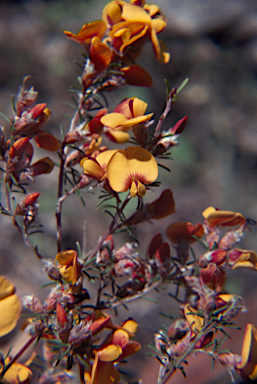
(5, 117)
(182, 85)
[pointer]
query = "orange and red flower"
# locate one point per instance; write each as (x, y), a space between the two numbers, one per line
(132, 169)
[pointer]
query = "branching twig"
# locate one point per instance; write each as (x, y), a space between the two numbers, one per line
(168, 372)
(18, 354)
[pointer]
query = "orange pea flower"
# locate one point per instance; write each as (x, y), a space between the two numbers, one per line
(248, 364)
(216, 217)
(127, 114)
(17, 373)
(69, 265)
(242, 258)
(132, 169)
(97, 168)
(129, 23)
(103, 370)
(87, 33)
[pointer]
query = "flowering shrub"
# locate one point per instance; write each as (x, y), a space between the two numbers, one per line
(79, 334)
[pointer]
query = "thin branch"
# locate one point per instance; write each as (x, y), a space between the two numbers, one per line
(150, 287)
(18, 354)
(169, 372)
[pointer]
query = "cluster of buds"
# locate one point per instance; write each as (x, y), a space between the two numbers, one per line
(17, 151)
(208, 307)
(78, 337)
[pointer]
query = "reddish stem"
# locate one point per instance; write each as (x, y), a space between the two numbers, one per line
(17, 356)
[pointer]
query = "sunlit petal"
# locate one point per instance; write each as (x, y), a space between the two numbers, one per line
(91, 167)
(67, 273)
(161, 55)
(112, 13)
(249, 348)
(138, 107)
(104, 157)
(117, 136)
(130, 326)
(137, 164)
(65, 257)
(137, 120)
(135, 13)
(88, 31)
(226, 218)
(6, 288)
(10, 308)
(110, 353)
(17, 373)
(196, 322)
(158, 25)
(113, 120)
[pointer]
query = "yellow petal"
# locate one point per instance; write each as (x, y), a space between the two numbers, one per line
(117, 136)
(196, 322)
(135, 13)
(67, 273)
(158, 25)
(136, 163)
(87, 378)
(141, 189)
(217, 217)
(17, 374)
(10, 309)
(130, 326)
(226, 297)
(117, 179)
(162, 57)
(137, 120)
(113, 120)
(137, 29)
(6, 288)
(208, 211)
(104, 157)
(124, 34)
(110, 353)
(143, 163)
(88, 31)
(92, 168)
(133, 189)
(152, 9)
(65, 257)
(249, 348)
(139, 107)
(111, 13)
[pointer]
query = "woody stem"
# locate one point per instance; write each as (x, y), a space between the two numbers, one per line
(169, 372)
(16, 357)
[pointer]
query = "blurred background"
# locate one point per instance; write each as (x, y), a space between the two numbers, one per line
(214, 44)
